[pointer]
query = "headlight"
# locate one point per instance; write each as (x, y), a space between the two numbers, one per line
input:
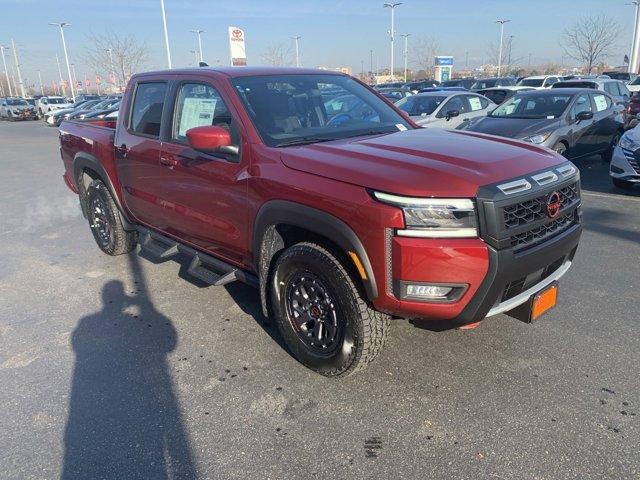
(435, 217)
(539, 138)
(628, 143)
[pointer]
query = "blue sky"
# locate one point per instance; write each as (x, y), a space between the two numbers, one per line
(335, 32)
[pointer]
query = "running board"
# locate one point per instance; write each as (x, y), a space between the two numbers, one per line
(203, 267)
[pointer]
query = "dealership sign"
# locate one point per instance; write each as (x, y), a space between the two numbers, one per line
(441, 61)
(236, 47)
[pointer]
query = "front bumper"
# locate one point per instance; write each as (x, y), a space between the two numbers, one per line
(500, 270)
(625, 165)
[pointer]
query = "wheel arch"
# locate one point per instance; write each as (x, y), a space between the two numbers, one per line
(85, 164)
(272, 225)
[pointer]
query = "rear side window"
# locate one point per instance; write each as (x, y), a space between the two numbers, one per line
(146, 113)
(602, 102)
(611, 88)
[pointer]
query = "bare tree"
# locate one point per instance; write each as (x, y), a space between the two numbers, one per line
(508, 60)
(278, 55)
(128, 55)
(590, 39)
(423, 53)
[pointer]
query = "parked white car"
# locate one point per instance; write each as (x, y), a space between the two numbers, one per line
(445, 109)
(48, 104)
(539, 81)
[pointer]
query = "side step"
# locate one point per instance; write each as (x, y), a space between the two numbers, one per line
(205, 268)
(156, 246)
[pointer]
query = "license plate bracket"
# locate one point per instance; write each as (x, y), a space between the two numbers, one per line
(538, 304)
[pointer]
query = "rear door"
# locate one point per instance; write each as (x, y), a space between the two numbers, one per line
(205, 195)
(137, 148)
(605, 124)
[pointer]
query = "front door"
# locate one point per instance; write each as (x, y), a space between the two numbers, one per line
(205, 194)
(582, 131)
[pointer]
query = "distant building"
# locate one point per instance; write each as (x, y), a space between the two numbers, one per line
(345, 70)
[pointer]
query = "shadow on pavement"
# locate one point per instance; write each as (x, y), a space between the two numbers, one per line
(124, 418)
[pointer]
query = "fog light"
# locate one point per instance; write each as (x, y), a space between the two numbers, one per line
(427, 291)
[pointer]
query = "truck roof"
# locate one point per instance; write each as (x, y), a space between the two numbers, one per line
(243, 71)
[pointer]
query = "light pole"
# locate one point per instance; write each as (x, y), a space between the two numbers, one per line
(634, 61)
(64, 90)
(392, 6)
(41, 86)
(297, 40)
(501, 22)
(66, 56)
(371, 65)
(75, 78)
(406, 53)
(15, 57)
(116, 82)
(166, 34)
(198, 32)
(6, 73)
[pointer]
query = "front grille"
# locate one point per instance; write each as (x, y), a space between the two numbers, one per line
(536, 235)
(532, 210)
(633, 159)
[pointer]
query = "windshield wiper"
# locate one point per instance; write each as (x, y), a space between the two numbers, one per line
(304, 141)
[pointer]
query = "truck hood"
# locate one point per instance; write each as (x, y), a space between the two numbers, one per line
(421, 162)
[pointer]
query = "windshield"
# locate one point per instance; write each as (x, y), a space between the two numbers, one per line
(292, 109)
(533, 106)
(531, 82)
(57, 101)
(491, 82)
(636, 81)
(420, 105)
(17, 102)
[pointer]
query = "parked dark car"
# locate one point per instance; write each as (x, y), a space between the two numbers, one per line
(499, 94)
(100, 106)
(465, 83)
(394, 94)
(483, 83)
(102, 112)
(573, 122)
(418, 85)
(624, 76)
(615, 88)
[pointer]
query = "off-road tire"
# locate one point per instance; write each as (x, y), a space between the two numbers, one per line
(364, 330)
(120, 241)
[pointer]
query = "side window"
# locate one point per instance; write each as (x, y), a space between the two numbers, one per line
(198, 105)
(454, 103)
(582, 104)
(551, 81)
(146, 113)
(610, 88)
(602, 102)
(624, 90)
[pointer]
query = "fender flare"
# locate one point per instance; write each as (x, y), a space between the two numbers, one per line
(282, 212)
(84, 161)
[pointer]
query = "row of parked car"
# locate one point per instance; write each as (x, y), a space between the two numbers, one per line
(576, 116)
(54, 109)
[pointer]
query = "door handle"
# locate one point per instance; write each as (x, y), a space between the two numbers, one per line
(122, 150)
(168, 161)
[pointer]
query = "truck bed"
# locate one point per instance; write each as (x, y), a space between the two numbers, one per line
(92, 138)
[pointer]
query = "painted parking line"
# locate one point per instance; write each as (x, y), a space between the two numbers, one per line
(611, 195)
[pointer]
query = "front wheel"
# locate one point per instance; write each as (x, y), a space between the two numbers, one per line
(105, 222)
(560, 148)
(321, 314)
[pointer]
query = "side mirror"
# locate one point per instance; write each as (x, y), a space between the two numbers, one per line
(584, 116)
(211, 139)
(452, 113)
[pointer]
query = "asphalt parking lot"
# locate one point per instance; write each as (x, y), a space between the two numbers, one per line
(120, 368)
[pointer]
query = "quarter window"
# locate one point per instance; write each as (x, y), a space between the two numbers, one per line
(146, 114)
(602, 102)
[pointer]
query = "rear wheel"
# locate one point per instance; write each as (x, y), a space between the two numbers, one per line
(321, 314)
(105, 222)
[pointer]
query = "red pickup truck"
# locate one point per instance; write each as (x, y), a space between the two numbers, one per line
(318, 191)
